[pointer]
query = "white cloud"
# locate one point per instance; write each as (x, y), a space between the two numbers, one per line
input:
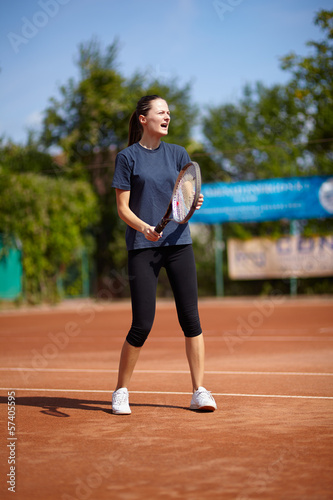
(34, 119)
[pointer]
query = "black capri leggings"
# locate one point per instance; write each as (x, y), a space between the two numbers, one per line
(144, 266)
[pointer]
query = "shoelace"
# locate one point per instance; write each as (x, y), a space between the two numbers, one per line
(120, 397)
(205, 393)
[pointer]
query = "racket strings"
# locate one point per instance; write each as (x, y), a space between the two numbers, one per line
(184, 195)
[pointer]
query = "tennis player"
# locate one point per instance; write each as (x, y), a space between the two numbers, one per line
(144, 178)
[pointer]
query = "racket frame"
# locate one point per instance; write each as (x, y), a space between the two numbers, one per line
(167, 217)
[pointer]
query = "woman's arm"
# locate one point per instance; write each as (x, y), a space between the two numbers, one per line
(126, 214)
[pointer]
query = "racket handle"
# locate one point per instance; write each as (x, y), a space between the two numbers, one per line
(161, 225)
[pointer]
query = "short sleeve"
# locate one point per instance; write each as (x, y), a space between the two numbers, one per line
(183, 158)
(122, 173)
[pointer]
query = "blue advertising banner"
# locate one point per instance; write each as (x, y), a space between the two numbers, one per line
(271, 199)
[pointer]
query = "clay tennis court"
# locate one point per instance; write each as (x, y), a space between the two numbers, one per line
(269, 365)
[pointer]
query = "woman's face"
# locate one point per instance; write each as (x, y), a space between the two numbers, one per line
(157, 120)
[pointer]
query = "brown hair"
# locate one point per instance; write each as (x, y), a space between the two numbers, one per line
(135, 129)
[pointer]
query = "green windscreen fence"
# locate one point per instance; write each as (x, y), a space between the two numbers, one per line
(10, 269)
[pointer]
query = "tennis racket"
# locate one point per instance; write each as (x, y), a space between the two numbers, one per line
(184, 197)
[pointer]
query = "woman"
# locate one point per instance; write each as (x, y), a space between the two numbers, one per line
(144, 177)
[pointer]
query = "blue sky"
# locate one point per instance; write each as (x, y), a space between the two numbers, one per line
(218, 46)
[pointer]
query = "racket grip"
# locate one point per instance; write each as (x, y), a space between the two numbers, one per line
(160, 226)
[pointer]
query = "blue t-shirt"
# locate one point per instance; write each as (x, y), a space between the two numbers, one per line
(150, 176)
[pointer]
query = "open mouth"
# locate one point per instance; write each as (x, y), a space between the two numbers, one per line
(164, 125)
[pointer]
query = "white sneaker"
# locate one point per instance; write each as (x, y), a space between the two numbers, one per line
(203, 400)
(120, 404)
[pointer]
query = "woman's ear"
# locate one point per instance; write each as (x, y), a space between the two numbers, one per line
(142, 119)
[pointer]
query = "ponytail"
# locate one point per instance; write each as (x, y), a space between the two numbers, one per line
(135, 129)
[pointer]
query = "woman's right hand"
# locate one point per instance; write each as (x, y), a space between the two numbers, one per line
(150, 233)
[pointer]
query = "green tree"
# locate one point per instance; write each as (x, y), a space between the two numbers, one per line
(258, 138)
(50, 218)
(17, 158)
(311, 87)
(92, 115)
(280, 131)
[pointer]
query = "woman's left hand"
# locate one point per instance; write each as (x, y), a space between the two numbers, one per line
(200, 201)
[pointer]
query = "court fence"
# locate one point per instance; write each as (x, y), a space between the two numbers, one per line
(11, 272)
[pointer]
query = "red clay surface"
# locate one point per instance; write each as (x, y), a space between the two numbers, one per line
(269, 365)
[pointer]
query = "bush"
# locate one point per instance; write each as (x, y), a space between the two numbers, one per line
(50, 217)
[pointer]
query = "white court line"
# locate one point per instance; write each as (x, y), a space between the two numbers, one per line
(82, 391)
(223, 337)
(207, 372)
(278, 339)
(246, 338)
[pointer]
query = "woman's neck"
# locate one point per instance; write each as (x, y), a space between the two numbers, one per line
(150, 142)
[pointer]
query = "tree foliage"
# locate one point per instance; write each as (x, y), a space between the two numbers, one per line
(92, 114)
(15, 158)
(280, 131)
(312, 89)
(49, 217)
(259, 137)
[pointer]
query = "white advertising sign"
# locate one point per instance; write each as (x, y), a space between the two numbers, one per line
(289, 256)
